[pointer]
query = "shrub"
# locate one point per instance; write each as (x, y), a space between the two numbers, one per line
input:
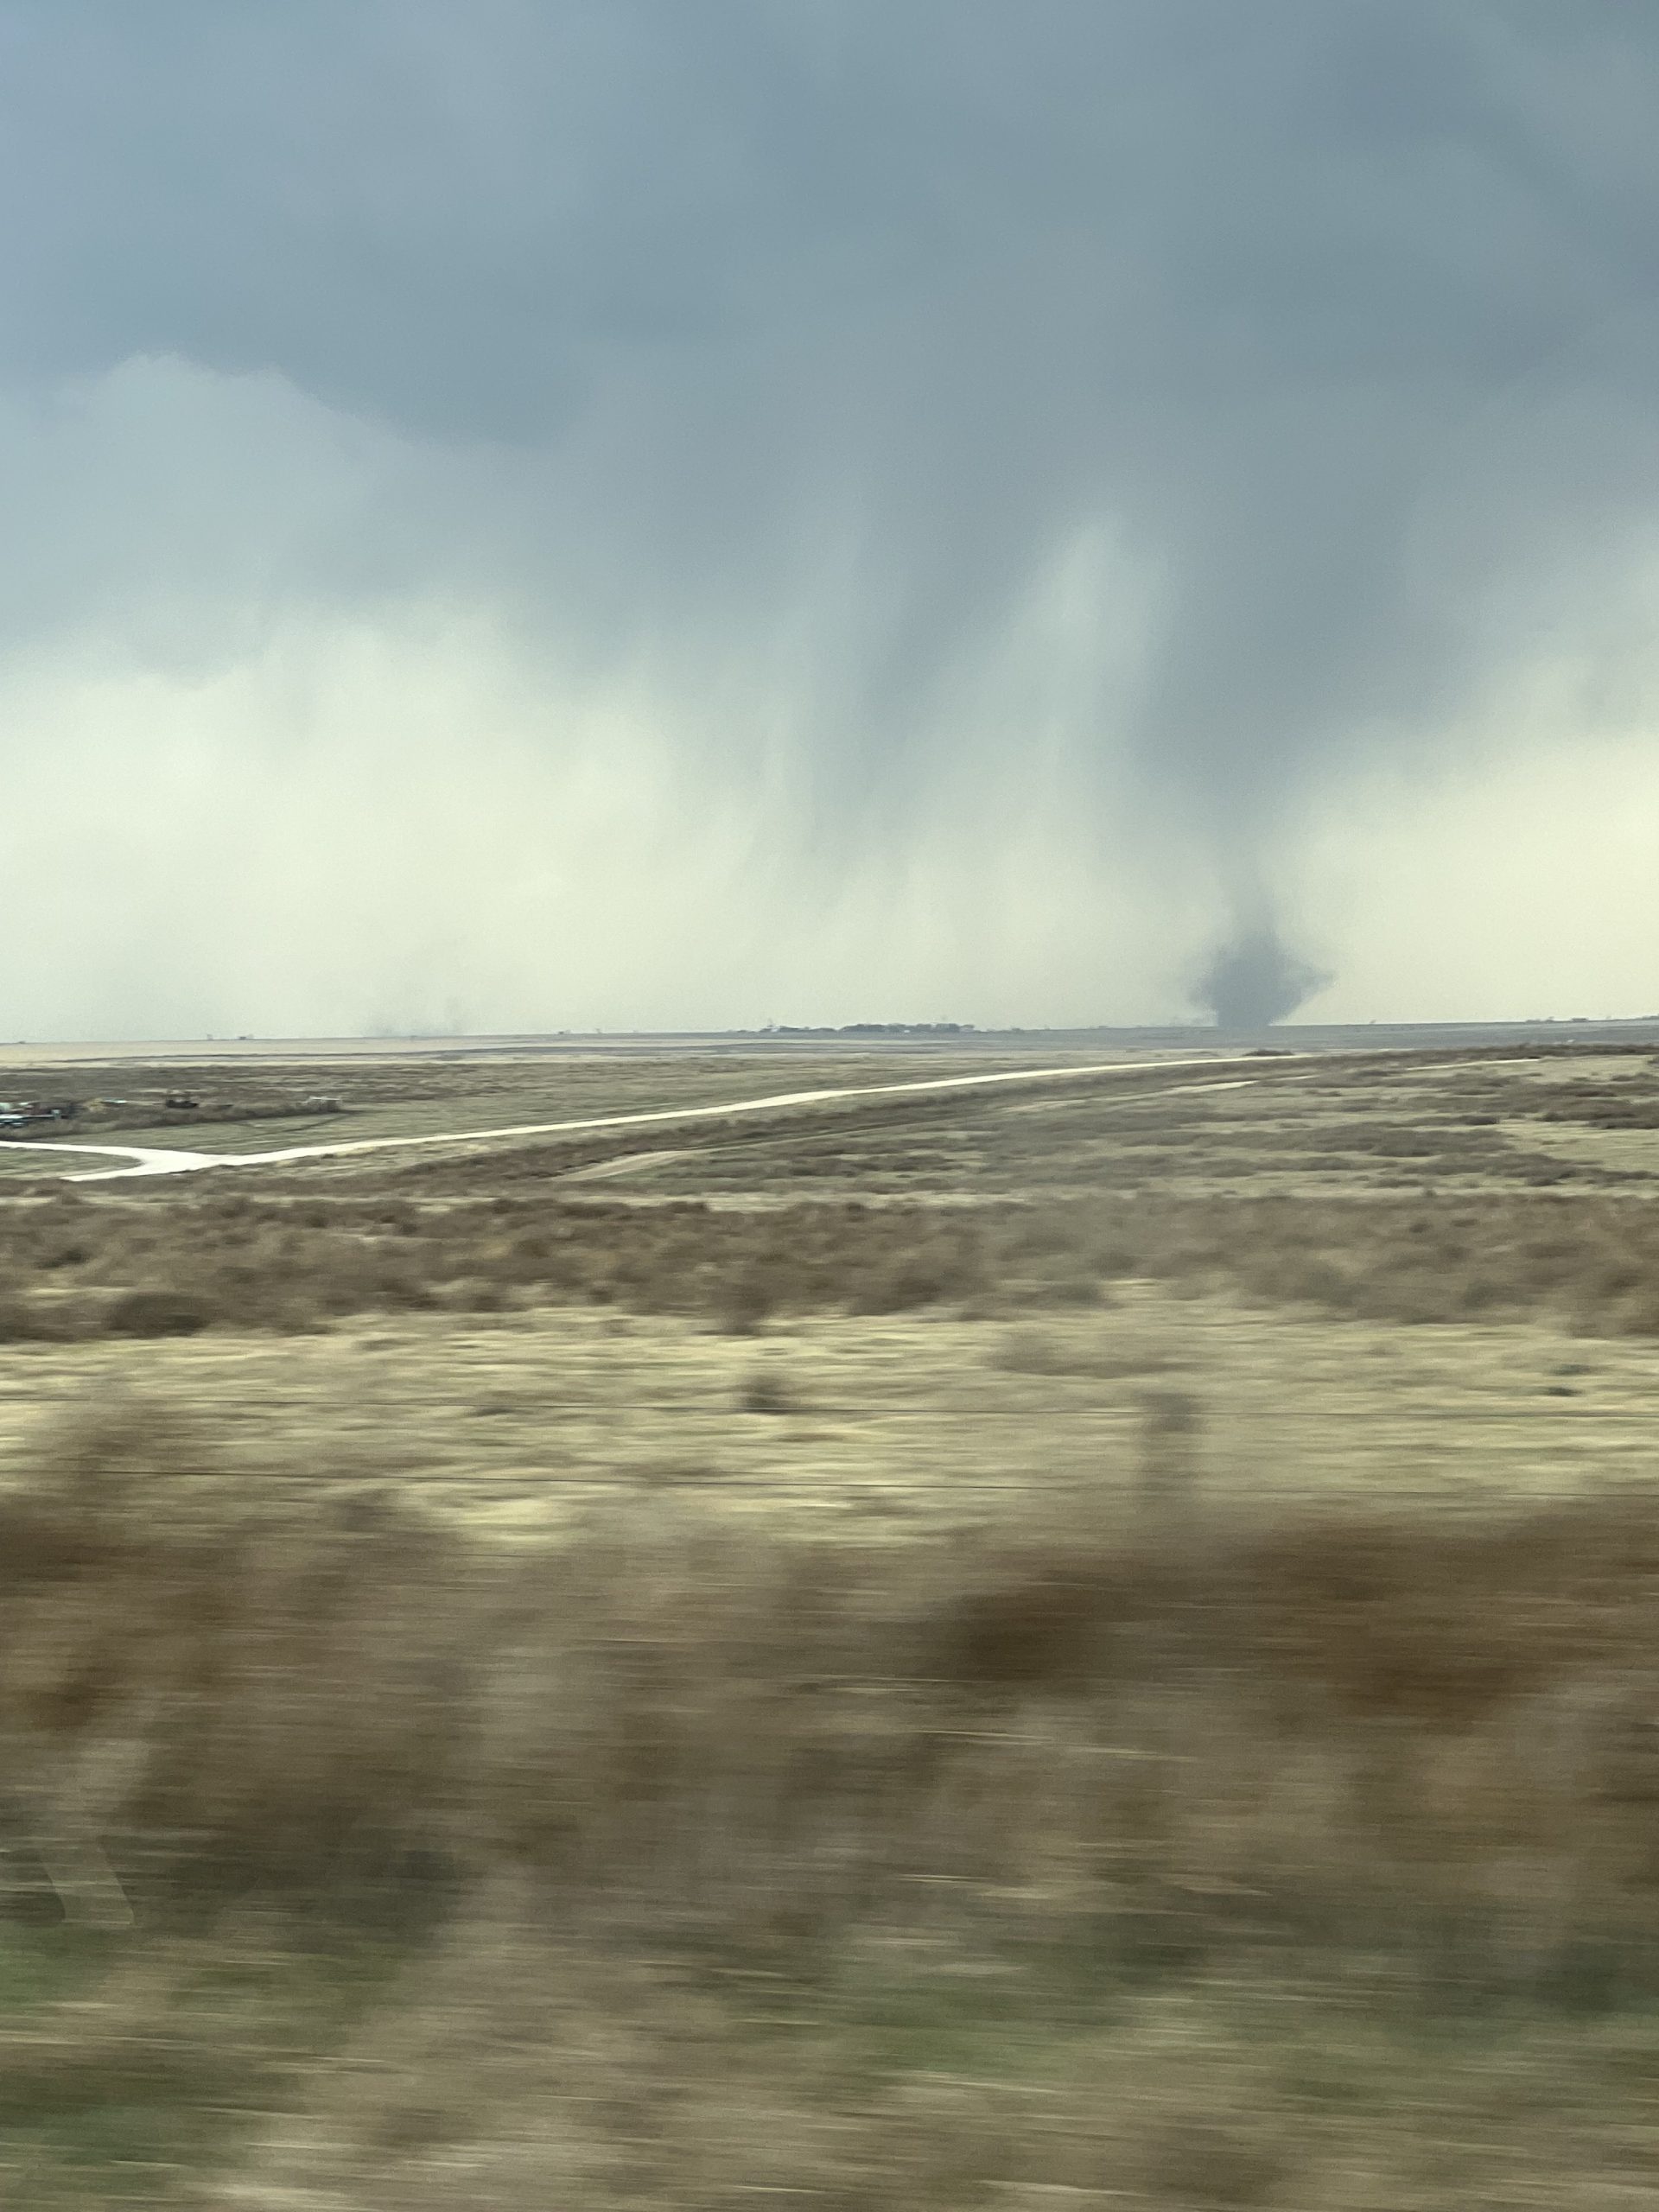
(155, 1314)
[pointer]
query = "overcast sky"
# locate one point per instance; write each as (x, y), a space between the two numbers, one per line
(641, 513)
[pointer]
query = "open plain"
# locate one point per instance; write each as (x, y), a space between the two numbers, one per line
(1086, 1639)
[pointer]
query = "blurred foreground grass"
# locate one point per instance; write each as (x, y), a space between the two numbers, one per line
(1141, 1847)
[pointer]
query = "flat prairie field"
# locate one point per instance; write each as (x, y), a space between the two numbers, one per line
(940, 1625)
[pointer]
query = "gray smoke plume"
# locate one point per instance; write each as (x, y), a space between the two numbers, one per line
(1162, 409)
(1254, 980)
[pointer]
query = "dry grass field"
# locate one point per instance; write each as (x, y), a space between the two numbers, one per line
(1091, 1643)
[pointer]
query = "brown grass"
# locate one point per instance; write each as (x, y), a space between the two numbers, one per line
(146, 1264)
(1088, 1847)
(751, 1858)
(1384, 1192)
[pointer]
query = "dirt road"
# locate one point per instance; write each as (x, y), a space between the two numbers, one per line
(152, 1159)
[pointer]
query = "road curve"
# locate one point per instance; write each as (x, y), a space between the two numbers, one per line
(151, 1159)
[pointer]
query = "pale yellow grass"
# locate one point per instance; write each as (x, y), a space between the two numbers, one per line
(517, 1419)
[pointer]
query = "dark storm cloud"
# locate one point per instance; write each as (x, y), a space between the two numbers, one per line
(707, 312)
